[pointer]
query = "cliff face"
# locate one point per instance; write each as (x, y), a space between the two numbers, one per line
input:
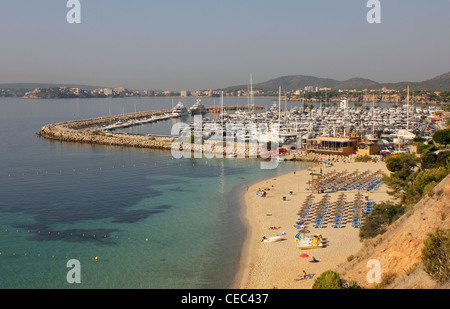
(399, 248)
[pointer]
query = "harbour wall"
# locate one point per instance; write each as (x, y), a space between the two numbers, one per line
(88, 131)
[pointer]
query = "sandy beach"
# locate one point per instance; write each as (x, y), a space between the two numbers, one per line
(277, 264)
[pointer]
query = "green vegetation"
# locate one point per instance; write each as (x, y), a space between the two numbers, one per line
(402, 169)
(413, 177)
(332, 280)
(328, 280)
(422, 183)
(382, 216)
(436, 255)
(442, 137)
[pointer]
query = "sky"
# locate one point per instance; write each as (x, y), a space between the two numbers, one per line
(211, 44)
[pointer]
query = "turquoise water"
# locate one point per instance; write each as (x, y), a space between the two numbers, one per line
(151, 221)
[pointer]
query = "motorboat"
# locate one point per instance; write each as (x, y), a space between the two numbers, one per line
(198, 108)
(180, 110)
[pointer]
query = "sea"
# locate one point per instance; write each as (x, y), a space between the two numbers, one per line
(129, 218)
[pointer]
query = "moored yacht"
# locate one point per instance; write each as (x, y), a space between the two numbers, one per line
(180, 110)
(197, 108)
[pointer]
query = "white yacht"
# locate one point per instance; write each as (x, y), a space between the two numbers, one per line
(180, 110)
(197, 108)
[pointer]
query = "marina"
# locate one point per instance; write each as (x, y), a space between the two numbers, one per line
(365, 129)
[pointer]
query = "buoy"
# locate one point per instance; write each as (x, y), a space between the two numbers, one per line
(146, 239)
(96, 258)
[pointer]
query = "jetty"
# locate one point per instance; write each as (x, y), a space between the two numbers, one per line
(100, 131)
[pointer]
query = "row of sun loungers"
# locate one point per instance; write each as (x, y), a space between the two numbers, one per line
(336, 214)
(343, 181)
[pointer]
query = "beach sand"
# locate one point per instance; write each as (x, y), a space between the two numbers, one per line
(277, 264)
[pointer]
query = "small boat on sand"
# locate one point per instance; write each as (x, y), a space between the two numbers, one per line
(272, 239)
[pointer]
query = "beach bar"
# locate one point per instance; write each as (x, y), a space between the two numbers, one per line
(334, 145)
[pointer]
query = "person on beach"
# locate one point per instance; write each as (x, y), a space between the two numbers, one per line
(304, 275)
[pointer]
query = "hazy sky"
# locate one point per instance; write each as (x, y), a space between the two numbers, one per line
(203, 44)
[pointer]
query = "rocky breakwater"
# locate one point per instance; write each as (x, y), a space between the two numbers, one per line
(87, 131)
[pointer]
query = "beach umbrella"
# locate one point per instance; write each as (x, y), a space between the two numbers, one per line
(304, 255)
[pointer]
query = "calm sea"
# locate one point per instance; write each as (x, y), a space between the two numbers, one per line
(133, 218)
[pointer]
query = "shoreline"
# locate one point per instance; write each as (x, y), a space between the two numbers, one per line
(277, 264)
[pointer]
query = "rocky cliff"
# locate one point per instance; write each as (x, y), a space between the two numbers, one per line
(399, 249)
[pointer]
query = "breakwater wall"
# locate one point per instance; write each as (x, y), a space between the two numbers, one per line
(87, 131)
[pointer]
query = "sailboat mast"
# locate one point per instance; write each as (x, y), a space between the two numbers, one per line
(279, 106)
(373, 122)
(221, 99)
(252, 104)
(407, 111)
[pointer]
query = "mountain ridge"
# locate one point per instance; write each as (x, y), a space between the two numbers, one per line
(299, 82)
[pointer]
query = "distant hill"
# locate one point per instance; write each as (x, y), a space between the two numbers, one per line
(296, 82)
(33, 86)
(438, 83)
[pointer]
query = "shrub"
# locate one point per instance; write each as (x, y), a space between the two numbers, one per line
(328, 280)
(386, 279)
(436, 255)
(416, 188)
(382, 216)
(351, 285)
